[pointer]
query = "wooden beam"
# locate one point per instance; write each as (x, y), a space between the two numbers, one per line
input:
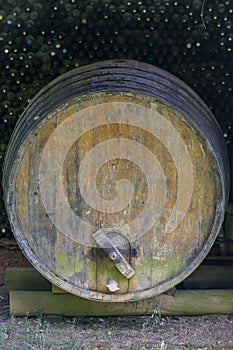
(25, 278)
(204, 277)
(186, 303)
(210, 277)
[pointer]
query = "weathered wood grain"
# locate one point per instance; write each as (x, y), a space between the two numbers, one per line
(133, 158)
(156, 256)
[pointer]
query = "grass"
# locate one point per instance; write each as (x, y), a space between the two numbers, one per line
(3, 332)
(119, 333)
(38, 334)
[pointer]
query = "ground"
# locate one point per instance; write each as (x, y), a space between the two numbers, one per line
(105, 333)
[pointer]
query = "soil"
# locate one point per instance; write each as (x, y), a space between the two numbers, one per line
(103, 333)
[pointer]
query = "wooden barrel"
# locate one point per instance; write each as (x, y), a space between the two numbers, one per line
(116, 181)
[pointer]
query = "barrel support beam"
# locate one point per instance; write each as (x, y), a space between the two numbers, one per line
(185, 303)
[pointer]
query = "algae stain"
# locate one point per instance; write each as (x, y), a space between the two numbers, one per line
(78, 265)
(64, 264)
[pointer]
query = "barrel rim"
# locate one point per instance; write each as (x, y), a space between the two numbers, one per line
(169, 83)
